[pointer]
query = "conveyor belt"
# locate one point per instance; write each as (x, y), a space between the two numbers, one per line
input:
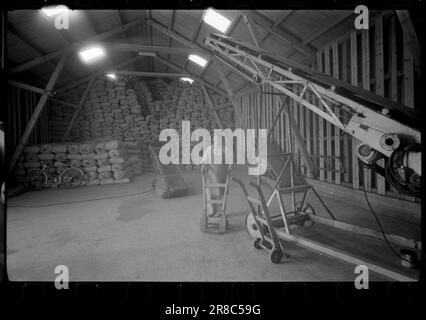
(173, 183)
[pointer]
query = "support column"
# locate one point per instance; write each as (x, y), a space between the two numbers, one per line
(38, 110)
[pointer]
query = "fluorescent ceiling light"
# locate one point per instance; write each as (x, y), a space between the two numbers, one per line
(90, 54)
(216, 20)
(185, 79)
(112, 76)
(53, 10)
(198, 60)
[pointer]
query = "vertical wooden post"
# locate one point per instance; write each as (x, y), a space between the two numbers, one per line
(77, 110)
(337, 111)
(328, 150)
(210, 104)
(39, 108)
(393, 69)
(366, 86)
(380, 84)
(354, 81)
(408, 72)
(320, 128)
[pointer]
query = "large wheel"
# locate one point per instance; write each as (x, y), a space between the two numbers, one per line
(35, 179)
(251, 227)
(71, 178)
(307, 209)
(276, 256)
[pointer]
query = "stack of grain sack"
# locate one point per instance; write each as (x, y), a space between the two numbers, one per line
(102, 162)
(133, 111)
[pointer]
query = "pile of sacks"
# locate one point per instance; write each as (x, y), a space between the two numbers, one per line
(110, 111)
(104, 162)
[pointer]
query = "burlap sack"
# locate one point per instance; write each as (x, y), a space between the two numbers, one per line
(104, 169)
(32, 149)
(125, 180)
(46, 156)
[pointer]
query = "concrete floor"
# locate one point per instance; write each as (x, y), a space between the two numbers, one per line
(144, 238)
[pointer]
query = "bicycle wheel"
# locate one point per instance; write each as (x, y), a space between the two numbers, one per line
(71, 178)
(35, 179)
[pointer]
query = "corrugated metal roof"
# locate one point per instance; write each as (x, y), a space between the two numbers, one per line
(34, 35)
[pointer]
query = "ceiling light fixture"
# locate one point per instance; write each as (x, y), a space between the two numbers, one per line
(198, 60)
(185, 79)
(216, 20)
(91, 54)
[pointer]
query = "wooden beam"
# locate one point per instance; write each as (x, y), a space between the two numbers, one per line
(320, 32)
(151, 48)
(164, 30)
(77, 110)
(380, 84)
(73, 46)
(298, 139)
(37, 111)
(228, 90)
(212, 107)
(97, 74)
(354, 82)
(286, 14)
(341, 255)
(27, 87)
(152, 74)
(63, 102)
(411, 37)
(280, 33)
(248, 20)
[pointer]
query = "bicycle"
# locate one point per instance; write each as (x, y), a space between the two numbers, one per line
(67, 177)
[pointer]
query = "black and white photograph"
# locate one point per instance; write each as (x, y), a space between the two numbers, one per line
(212, 145)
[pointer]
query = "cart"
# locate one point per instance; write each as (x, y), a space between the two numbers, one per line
(218, 218)
(260, 225)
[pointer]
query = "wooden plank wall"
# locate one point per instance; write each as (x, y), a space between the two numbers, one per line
(373, 59)
(21, 105)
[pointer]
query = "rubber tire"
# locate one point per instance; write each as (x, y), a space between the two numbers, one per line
(76, 179)
(203, 222)
(276, 256)
(41, 181)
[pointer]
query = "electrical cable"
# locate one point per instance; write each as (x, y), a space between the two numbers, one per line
(80, 201)
(360, 165)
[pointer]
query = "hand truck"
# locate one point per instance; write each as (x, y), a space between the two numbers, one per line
(216, 218)
(260, 226)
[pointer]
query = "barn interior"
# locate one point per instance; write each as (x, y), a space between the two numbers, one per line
(90, 92)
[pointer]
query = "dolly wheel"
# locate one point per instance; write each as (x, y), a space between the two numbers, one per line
(203, 223)
(256, 243)
(275, 256)
(223, 224)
